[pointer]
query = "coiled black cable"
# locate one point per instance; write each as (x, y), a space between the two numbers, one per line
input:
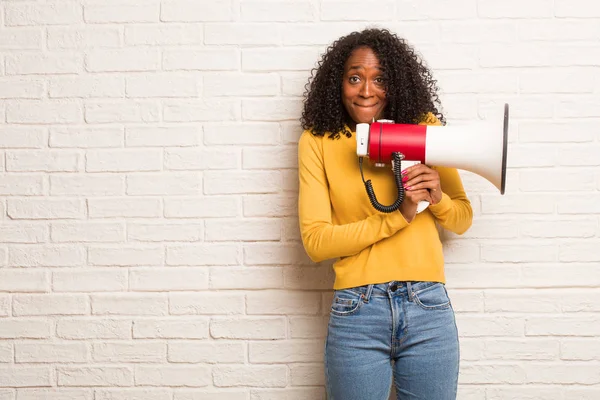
(397, 157)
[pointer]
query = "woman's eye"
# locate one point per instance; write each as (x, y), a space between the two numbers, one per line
(353, 79)
(379, 80)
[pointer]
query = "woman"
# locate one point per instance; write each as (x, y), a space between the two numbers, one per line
(391, 315)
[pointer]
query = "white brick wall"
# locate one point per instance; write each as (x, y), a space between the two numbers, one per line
(149, 244)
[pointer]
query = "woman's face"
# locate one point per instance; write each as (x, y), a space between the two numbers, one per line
(363, 88)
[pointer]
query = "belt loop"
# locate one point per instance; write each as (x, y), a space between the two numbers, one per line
(409, 290)
(367, 295)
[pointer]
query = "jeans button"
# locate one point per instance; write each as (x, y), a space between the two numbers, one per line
(394, 287)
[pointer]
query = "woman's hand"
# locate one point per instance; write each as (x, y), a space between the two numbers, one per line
(420, 177)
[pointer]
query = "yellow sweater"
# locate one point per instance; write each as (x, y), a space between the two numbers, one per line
(338, 221)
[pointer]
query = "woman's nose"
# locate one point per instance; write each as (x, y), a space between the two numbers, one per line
(365, 90)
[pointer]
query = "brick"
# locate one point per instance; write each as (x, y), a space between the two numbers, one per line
(173, 328)
(271, 110)
(253, 133)
(130, 111)
(5, 305)
(133, 394)
(206, 303)
(86, 87)
(248, 328)
(557, 29)
(281, 303)
(163, 85)
(42, 161)
(493, 374)
(275, 254)
(515, 9)
(234, 182)
(51, 352)
(431, 9)
(191, 34)
(21, 89)
(568, 204)
(126, 255)
(521, 203)
(246, 278)
(93, 280)
(308, 327)
(579, 349)
(84, 137)
(6, 355)
(579, 155)
(517, 55)
(555, 81)
(277, 11)
(46, 256)
(357, 11)
(87, 232)
(23, 233)
(44, 112)
(530, 156)
(310, 34)
(217, 59)
(168, 184)
(129, 304)
(242, 33)
(558, 228)
(546, 373)
(270, 205)
(86, 185)
(270, 157)
(124, 207)
(583, 251)
(94, 376)
(532, 252)
(52, 63)
(125, 13)
(204, 254)
(576, 9)
(191, 376)
(17, 137)
(236, 84)
(74, 38)
(293, 84)
(286, 351)
(42, 14)
(55, 394)
(479, 31)
(193, 159)
(281, 59)
(168, 279)
(243, 230)
(25, 376)
(191, 11)
(18, 280)
(289, 394)
(201, 110)
(131, 59)
(21, 39)
(522, 301)
(128, 352)
(162, 137)
(49, 304)
(554, 275)
(490, 326)
(202, 207)
(307, 375)
(555, 133)
(96, 328)
(165, 232)
(24, 328)
(250, 376)
(545, 180)
(207, 353)
(460, 82)
(123, 160)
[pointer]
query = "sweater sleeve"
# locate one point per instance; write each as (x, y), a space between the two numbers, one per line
(321, 238)
(454, 211)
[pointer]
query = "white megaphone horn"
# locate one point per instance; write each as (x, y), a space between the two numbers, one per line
(466, 147)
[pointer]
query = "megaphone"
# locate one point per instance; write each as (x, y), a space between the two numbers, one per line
(468, 147)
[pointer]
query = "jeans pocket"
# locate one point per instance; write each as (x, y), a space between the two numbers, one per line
(346, 302)
(434, 297)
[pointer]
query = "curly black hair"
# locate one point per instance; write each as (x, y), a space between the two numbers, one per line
(411, 91)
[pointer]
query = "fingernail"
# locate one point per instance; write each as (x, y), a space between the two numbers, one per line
(407, 187)
(404, 172)
(404, 179)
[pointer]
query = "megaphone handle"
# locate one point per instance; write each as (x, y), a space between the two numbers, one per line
(397, 159)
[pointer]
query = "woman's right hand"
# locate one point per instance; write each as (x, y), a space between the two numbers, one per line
(408, 208)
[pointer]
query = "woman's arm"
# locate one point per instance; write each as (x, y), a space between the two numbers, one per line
(321, 238)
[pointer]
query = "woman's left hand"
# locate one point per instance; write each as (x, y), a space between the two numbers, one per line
(420, 176)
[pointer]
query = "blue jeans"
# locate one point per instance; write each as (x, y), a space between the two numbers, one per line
(402, 329)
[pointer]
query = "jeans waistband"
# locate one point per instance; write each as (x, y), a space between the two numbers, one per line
(390, 288)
